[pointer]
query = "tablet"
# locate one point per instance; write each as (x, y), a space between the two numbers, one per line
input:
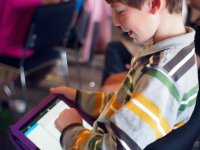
(36, 130)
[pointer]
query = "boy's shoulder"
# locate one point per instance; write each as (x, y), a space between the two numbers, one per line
(177, 42)
(167, 54)
(171, 46)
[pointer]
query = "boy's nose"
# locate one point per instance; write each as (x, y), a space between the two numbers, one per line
(116, 21)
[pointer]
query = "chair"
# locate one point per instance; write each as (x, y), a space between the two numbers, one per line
(48, 28)
(76, 42)
(75, 39)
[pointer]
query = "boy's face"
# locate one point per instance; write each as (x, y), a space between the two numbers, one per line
(141, 25)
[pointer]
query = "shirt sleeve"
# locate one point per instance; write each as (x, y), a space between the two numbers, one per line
(92, 103)
(77, 137)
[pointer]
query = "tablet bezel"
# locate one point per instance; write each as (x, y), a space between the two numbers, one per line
(16, 128)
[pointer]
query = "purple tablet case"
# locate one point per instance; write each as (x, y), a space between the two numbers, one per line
(20, 141)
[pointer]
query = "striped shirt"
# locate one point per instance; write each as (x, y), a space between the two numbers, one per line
(157, 96)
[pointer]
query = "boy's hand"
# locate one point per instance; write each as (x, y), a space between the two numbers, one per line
(66, 118)
(68, 92)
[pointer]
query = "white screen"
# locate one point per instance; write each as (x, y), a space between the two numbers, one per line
(43, 132)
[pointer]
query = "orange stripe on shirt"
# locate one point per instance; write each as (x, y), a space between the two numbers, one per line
(114, 104)
(154, 109)
(81, 139)
(98, 106)
(179, 124)
(144, 117)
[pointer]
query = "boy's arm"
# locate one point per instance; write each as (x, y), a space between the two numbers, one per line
(76, 136)
(113, 82)
(92, 103)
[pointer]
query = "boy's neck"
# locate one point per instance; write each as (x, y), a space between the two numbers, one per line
(170, 26)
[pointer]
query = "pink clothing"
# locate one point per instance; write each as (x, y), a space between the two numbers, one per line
(15, 16)
(100, 12)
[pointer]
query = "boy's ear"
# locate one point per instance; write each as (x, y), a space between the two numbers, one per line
(154, 6)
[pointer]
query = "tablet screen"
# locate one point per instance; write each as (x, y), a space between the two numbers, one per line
(41, 129)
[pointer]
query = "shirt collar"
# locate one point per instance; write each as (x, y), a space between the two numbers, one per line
(184, 39)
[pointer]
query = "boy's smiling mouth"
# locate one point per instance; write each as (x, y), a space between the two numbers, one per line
(130, 33)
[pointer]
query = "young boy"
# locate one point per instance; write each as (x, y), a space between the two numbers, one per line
(159, 92)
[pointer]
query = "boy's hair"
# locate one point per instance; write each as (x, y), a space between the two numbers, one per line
(174, 6)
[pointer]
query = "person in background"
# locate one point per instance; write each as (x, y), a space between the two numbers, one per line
(149, 104)
(97, 32)
(195, 4)
(15, 17)
(194, 19)
(118, 55)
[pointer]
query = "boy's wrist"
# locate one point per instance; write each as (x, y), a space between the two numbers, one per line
(72, 126)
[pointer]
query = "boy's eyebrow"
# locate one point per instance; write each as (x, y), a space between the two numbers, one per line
(113, 5)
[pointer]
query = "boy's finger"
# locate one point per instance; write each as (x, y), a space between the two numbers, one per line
(58, 90)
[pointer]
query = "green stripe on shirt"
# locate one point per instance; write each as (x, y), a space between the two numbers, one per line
(184, 106)
(95, 143)
(161, 77)
(193, 91)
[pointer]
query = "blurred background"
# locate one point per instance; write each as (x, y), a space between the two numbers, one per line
(77, 55)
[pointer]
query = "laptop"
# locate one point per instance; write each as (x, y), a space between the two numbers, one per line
(36, 130)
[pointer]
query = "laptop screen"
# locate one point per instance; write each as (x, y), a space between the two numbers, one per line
(41, 129)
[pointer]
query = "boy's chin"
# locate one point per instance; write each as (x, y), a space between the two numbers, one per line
(138, 42)
(141, 42)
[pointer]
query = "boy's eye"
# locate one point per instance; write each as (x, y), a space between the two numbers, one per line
(120, 12)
